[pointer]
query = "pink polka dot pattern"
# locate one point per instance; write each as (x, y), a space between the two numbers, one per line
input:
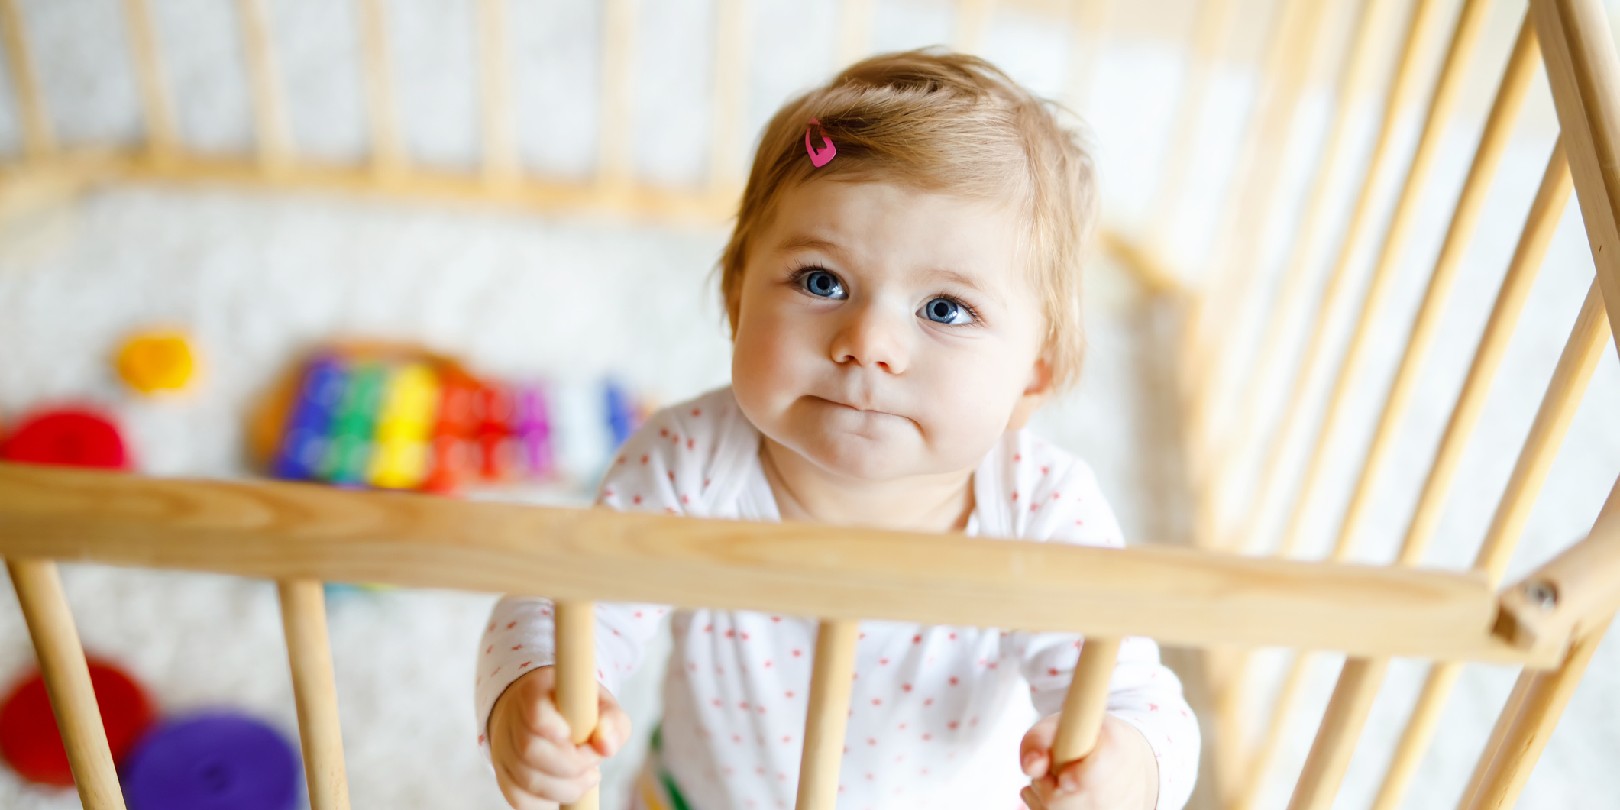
(924, 698)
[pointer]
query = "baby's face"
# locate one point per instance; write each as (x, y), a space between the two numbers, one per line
(884, 332)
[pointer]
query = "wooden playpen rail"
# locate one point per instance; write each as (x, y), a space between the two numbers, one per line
(301, 535)
(1216, 600)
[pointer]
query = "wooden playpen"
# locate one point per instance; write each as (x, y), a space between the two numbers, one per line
(1217, 595)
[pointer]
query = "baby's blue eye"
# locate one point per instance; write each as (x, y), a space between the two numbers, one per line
(822, 284)
(947, 311)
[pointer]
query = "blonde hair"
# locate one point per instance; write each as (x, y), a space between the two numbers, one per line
(948, 123)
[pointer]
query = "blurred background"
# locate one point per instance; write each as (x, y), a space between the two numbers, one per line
(599, 315)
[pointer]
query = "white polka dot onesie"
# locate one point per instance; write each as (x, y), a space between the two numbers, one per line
(937, 712)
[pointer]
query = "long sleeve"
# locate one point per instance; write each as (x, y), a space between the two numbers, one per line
(659, 469)
(1056, 499)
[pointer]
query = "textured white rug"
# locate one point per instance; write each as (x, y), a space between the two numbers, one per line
(256, 279)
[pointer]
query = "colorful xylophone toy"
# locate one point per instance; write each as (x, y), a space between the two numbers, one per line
(394, 418)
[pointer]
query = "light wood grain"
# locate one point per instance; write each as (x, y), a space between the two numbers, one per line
(269, 115)
(1583, 71)
(282, 530)
(1086, 701)
(309, 653)
(67, 680)
(155, 102)
(1574, 592)
(826, 714)
(1403, 86)
(1360, 680)
(500, 163)
(382, 114)
(576, 678)
(1520, 737)
(1547, 432)
(39, 138)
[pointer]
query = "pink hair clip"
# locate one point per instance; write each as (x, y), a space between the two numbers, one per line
(824, 155)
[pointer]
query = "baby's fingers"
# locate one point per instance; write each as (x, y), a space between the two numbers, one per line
(529, 789)
(1035, 752)
(612, 729)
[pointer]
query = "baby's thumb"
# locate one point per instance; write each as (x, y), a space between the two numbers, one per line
(612, 727)
(1035, 752)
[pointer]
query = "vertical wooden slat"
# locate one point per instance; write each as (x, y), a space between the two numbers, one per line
(1470, 25)
(1211, 27)
(387, 153)
(67, 680)
(309, 653)
(618, 52)
(499, 129)
(576, 678)
(1583, 71)
(1521, 68)
(1331, 753)
(827, 714)
(1257, 178)
(1519, 738)
(972, 19)
(1282, 712)
(274, 146)
(1425, 15)
(1358, 73)
(1542, 223)
(1086, 701)
(38, 137)
(1088, 21)
(726, 155)
(161, 139)
(1336, 735)
(1361, 679)
(854, 31)
(1587, 342)
(1420, 727)
(1403, 85)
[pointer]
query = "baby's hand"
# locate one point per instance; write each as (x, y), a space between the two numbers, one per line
(536, 765)
(1121, 772)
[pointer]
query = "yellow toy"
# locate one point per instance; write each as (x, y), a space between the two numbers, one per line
(156, 361)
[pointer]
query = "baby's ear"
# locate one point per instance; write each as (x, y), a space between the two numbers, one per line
(1034, 396)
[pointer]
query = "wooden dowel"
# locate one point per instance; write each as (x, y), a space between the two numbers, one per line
(1257, 178)
(387, 152)
(727, 152)
(160, 128)
(827, 714)
(1558, 406)
(67, 681)
(1517, 744)
(972, 18)
(1336, 736)
(1421, 724)
(618, 49)
(1257, 378)
(1276, 729)
(1583, 71)
(1086, 702)
(274, 149)
(1521, 68)
(1361, 679)
(499, 128)
(1470, 25)
(1425, 16)
(1565, 597)
(38, 138)
(309, 653)
(1551, 199)
(1211, 27)
(577, 688)
(1484, 765)
(1587, 342)
(854, 31)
